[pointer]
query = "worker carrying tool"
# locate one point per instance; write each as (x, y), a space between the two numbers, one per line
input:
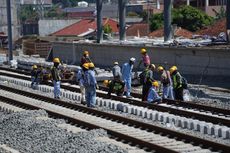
(145, 58)
(85, 58)
(153, 95)
(116, 86)
(127, 75)
(166, 82)
(177, 83)
(56, 77)
(34, 77)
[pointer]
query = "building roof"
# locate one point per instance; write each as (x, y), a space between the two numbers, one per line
(140, 29)
(85, 27)
(179, 32)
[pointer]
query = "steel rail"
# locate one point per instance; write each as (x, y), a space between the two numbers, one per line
(149, 127)
(194, 115)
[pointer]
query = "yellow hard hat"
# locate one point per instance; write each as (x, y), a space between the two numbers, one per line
(86, 52)
(34, 67)
(160, 68)
(172, 69)
(91, 65)
(86, 65)
(143, 50)
(155, 83)
(106, 83)
(56, 60)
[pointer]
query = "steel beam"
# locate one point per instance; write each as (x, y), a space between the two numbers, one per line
(122, 14)
(228, 19)
(167, 20)
(99, 20)
(9, 24)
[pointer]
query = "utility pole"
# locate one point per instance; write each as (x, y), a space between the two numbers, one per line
(167, 20)
(228, 20)
(99, 21)
(9, 25)
(122, 14)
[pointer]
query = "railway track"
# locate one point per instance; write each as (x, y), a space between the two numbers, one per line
(186, 109)
(148, 136)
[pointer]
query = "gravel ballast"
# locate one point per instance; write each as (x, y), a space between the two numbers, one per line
(23, 132)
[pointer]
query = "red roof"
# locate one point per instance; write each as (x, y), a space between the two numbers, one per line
(179, 32)
(85, 26)
(140, 29)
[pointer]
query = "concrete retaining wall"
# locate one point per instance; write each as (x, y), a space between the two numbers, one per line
(192, 61)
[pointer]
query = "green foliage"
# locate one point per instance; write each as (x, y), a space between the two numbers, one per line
(107, 29)
(190, 18)
(156, 21)
(186, 17)
(27, 12)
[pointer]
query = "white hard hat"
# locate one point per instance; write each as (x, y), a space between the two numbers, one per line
(132, 59)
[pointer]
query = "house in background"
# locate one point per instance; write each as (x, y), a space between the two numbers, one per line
(86, 28)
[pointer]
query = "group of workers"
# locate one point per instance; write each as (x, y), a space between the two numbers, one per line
(171, 81)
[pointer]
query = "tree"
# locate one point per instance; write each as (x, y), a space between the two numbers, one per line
(191, 18)
(186, 17)
(156, 21)
(27, 12)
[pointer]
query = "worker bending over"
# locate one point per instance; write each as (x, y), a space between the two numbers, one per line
(55, 72)
(116, 86)
(116, 71)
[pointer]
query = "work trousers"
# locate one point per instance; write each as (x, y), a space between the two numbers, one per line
(82, 89)
(168, 92)
(178, 94)
(90, 95)
(127, 86)
(57, 89)
(145, 91)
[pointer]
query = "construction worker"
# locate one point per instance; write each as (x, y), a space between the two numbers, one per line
(116, 86)
(80, 80)
(177, 83)
(90, 84)
(116, 71)
(145, 58)
(85, 58)
(147, 80)
(166, 82)
(153, 95)
(127, 75)
(34, 77)
(55, 72)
